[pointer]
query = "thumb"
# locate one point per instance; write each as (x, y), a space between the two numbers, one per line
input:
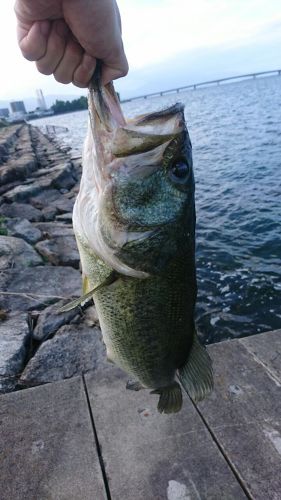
(33, 40)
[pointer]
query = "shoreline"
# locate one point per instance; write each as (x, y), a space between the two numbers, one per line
(39, 264)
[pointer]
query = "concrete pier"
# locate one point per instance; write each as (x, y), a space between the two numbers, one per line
(88, 437)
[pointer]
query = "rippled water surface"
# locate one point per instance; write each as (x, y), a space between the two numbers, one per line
(236, 135)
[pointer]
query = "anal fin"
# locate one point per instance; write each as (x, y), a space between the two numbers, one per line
(170, 400)
(196, 376)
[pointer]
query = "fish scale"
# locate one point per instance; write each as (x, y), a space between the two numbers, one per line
(134, 221)
(155, 344)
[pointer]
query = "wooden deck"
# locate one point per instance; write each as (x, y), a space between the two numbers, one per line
(88, 438)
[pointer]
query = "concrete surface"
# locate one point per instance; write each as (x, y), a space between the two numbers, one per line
(89, 438)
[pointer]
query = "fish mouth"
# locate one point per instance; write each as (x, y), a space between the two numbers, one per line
(139, 135)
(104, 105)
(104, 102)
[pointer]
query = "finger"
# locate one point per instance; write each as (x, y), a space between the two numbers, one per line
(116, 69)
(55, 48)
(84, 72)
(72, 58)
(33, 41)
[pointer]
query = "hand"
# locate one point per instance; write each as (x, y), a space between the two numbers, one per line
(66, 37)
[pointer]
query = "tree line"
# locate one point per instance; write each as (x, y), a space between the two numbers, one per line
(66, 106)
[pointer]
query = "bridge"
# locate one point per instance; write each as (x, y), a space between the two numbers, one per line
(206, 83)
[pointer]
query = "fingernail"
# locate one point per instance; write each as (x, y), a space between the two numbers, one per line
(45, 28)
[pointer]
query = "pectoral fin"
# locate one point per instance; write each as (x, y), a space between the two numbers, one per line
(85, 284)
(87, 296)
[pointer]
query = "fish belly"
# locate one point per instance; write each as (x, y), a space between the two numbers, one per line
(147, 325)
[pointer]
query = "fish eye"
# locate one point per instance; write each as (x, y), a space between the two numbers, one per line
(179, 171)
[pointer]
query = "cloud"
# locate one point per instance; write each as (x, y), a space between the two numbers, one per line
(155, 31)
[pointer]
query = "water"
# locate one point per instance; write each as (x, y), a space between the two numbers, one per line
(236, 134)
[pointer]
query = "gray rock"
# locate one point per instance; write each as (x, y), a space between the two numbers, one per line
(45, 198)
(50, 320)
(16, 253)
(60, 250)
(18, 169)
(21, 210)
(53, 198)
(65, 177)
(49, 213)
(7, 187)
(75, 349)
(59, 177)
(53, 229)
(64, 217)
(24, 192)
(22, 228)
(38, 287)
(64, 204)
(14, 341)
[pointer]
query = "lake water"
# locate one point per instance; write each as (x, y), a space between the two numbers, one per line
(236, 135)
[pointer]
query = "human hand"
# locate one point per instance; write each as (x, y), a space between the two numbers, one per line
(66, 37)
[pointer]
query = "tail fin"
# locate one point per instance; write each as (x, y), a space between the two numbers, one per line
(170, 400)
(196, 375)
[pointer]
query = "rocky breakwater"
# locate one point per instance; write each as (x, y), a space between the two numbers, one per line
(39, 265)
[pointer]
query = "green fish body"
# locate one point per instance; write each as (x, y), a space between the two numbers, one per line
(134, 221)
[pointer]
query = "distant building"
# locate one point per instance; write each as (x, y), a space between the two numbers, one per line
(18, 107)
(41, 100)
(4, 112)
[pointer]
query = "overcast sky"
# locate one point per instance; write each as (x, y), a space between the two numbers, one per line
(168, 43)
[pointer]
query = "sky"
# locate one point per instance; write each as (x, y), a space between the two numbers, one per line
(168, 43)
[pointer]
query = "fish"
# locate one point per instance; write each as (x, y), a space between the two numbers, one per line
(134, 222)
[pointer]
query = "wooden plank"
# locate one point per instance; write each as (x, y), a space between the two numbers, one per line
(244, 415)
(47, 445)
(151, 456)
(266, 348)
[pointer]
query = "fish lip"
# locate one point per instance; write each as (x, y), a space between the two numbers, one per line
(104, 103)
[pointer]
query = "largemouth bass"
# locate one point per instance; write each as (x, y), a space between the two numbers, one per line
(134, 221)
